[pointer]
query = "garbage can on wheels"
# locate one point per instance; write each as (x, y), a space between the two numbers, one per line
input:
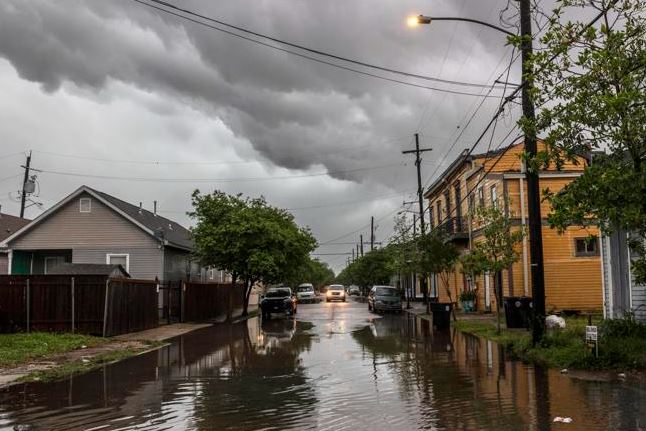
(441, 314)
(513, 312)
(526, 306)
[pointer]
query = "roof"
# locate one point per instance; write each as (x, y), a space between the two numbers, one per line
(453, 167)
(87, 269)
(171, 233)
(10, 224)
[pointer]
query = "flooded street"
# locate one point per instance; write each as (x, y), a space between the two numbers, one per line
(336, 367)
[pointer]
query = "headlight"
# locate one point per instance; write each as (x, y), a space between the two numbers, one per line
(329, 293)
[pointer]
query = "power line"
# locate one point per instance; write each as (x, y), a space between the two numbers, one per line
(215, 180)
(318, 60)
(311, 50)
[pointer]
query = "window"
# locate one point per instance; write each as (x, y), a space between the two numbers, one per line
(430, 216)
(494, 196)
(85, 205)
(118, 259)
(472, 203)
(439, 213)
(480, 196)
(586, 247)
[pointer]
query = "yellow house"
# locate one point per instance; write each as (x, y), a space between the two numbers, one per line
(571, 260)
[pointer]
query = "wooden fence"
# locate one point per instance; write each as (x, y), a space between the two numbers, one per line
(205, 301)
(85, 304)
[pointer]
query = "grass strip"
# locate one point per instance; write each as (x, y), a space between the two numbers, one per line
(16, 349)
(622, 344)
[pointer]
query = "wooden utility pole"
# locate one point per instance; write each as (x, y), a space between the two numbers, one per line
(361, 241)
(23, 197)
(420, 190)
(372, 233)
(353, 259)
(531, 174)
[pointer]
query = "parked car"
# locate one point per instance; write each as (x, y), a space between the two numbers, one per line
(335, 292)
(278, 300)
(384, 298)
(354, 291)
(305, 293)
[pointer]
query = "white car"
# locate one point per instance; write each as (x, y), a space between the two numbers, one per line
(335, 292)
(305, 293)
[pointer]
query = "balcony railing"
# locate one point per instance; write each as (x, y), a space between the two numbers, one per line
(456, 227)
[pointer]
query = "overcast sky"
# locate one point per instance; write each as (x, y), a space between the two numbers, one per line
(148, 106)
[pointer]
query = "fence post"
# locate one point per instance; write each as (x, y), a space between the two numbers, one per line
(105, 308)
(73, 305)
(28, 303)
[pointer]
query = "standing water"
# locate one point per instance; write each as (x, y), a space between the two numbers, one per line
(336, 367)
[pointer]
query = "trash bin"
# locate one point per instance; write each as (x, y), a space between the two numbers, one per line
(441, 314)
(526, 308)
(513, 313)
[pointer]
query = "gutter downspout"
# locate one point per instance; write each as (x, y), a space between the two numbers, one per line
(523, 224)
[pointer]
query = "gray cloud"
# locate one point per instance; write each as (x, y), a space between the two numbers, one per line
(293, 113)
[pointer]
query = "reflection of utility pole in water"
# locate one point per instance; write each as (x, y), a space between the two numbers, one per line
(542, 399)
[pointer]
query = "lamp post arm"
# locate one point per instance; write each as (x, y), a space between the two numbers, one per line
(486, 24)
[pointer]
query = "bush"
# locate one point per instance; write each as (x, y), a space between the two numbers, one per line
(467, 295)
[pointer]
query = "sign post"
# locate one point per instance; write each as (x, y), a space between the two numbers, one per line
(591, 337)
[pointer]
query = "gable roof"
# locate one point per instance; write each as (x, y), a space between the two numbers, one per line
(10, 224)
(168, 231)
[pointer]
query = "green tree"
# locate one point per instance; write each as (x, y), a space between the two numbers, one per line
(495, 250)
(249, 238)
(373, 268)
(436, 255)
(590, 82)
(312, 271)
(403, 248)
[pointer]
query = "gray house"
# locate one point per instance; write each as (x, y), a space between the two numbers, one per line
(620, 292)
(8, 225)
(91, 227)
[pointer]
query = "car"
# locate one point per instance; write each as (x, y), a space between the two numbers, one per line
(305, 293)
(335, 292)
(278, 300)
(354, 291)
(384, 298)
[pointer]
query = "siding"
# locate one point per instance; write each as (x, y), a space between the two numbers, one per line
(4, 264)
(144, 262)
(92, 235)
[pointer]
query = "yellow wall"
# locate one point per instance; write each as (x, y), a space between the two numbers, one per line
(571, 282)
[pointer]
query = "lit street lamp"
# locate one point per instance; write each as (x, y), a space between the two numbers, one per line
(533, 190)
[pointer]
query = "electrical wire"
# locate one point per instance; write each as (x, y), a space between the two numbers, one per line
(214, 180)
(304, 48)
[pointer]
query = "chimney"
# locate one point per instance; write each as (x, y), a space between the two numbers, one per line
(155, 208)
(141, 207)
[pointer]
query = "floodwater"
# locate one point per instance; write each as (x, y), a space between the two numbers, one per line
(335, 368)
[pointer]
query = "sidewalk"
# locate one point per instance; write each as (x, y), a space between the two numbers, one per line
(419, 310)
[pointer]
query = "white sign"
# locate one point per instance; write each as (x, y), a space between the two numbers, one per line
(590, 333)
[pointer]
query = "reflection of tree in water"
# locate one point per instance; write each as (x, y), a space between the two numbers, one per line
(263, 385)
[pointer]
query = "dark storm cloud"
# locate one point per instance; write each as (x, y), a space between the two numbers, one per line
(284, 105)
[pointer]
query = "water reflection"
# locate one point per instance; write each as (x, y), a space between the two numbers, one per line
(391, 372)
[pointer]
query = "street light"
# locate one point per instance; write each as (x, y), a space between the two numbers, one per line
(414, 21)
(533, 189)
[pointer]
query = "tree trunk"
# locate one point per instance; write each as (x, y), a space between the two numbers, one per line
(246, 292)
(497, 293)
(234, 278)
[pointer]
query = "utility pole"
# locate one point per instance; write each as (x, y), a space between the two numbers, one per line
(361, 240)
(357, 251)
(353, 259)
(23, 197)
(533, 188)
(372, 233)
(420, 192)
